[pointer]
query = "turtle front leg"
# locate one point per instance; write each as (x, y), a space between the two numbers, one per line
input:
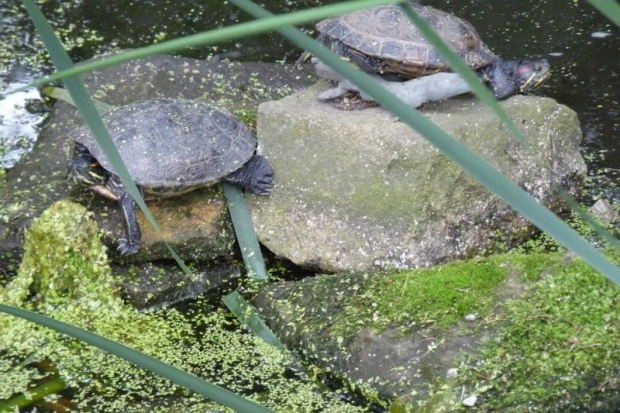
(256, 176)
(130, 243)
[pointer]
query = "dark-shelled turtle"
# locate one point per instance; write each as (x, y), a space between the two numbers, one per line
(170, 146)
(382, 40)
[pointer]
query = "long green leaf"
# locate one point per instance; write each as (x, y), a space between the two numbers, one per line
(62, 94)
(455, 150)
(247, 315)
(244, 228)
(88, 111)
(457, 65)
(610, 8)
(214, 36)
(34, 395)
(180, 377)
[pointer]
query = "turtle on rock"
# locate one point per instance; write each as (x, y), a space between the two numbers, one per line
(170, 146)
(382, 41)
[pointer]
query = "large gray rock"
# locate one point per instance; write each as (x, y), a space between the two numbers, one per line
(359, 190)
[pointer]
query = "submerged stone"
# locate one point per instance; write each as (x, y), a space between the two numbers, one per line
(546, 338)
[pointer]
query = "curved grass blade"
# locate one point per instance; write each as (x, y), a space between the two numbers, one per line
(62, 94)
(248, 315)
(244, 228)
(34, 395)
(214, 36)
(88, 111)
(180, 377)
(609, 8)
(458, 65)
(454, 149)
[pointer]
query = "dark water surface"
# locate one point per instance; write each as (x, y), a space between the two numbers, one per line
(582, 45)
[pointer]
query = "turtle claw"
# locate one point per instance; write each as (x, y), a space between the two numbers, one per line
(262, 187)
(127, 248)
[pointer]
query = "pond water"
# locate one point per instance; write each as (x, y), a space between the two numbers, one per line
(582, 45)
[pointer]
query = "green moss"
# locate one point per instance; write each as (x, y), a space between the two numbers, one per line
(438, 295)
(247, 116)
(64, 274)
(560, 348)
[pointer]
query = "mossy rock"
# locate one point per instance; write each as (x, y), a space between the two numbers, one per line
(537, 332)
(65, 275)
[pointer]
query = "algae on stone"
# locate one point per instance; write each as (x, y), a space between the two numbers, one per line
(546, 335)
(65, 275)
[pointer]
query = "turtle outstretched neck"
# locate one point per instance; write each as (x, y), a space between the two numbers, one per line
(509, 77)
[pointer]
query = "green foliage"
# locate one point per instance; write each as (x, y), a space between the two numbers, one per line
(561, 345)
(76, 287)
(439, 295)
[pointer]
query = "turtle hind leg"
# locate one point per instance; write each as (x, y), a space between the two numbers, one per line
(256, 176)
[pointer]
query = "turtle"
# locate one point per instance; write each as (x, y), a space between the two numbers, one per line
(381, 40)
(170, 146)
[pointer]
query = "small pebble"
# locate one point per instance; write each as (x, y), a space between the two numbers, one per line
(600, 35)
(470, 317)
(452, 373)
(470, 401)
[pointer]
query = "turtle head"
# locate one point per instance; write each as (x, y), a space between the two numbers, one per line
(530, 74)
(85, 170)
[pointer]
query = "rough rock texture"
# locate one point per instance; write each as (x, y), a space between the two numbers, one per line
(358, 190)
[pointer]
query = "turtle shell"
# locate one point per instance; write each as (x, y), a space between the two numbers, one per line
(386, 33)
(170, 145)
